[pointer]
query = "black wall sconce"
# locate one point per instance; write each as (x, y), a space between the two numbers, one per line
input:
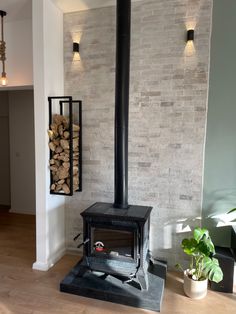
(75, 47)
(190, 35)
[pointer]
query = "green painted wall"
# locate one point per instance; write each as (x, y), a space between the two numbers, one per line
(219, 194)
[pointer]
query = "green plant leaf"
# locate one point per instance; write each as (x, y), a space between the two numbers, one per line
(199, 233)
(203, 248)
(231, 211)
(189, 246)
(212, 270)
(210, 245)
(178, 266)
(206, 247)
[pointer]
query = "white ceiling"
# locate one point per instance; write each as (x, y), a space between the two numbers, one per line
(16, 9)
(22, 9)
(80, 5)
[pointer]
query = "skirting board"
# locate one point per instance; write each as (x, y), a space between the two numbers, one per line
(45, 266)
(14, 211)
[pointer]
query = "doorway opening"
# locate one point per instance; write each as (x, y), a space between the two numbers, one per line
(17, 173)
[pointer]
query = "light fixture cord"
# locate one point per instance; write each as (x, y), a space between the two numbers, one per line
(2, 47)
(2, 28)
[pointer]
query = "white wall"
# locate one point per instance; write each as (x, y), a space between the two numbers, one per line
(19, 63)
(22, 163)
(48, 81)
(4, 155)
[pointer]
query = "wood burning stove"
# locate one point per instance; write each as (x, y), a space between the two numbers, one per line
(116, 236)
(116, 265)
(116, 241)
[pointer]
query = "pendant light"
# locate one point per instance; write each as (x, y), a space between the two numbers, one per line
(3, 79)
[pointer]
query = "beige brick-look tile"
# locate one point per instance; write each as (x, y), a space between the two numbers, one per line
(168, 103)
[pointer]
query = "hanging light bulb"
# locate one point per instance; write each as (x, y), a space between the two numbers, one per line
(4, 79)
(3, 51)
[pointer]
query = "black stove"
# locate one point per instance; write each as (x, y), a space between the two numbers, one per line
(116, 241)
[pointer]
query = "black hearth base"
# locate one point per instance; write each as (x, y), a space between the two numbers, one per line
(108, 288)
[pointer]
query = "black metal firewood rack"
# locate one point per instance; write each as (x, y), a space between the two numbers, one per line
(72, 110)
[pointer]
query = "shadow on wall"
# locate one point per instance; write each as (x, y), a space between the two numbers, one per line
(215, 216)
(219, 203)
(169, 238)
(222, 227)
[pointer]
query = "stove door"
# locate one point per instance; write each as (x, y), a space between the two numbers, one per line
(113, 243)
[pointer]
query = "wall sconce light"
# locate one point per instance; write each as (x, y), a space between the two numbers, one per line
(190, 35)
(75, 47)
(3, 51)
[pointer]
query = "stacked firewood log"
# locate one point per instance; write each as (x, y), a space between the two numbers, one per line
(59, 144)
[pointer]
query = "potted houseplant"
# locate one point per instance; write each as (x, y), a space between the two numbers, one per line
(203, 266)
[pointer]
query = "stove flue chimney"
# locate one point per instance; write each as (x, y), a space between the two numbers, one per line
(122, 102)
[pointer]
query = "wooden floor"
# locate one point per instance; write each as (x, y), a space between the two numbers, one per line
(26, 291)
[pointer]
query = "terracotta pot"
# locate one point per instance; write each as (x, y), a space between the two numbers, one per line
(195, 289)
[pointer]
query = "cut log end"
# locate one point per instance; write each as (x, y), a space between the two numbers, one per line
(59, 145)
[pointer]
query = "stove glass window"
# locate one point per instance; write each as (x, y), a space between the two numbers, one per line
(115, 243)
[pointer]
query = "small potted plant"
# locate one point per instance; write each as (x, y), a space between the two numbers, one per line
(203, 266)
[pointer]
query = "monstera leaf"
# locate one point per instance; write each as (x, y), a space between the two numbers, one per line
(232, 210)
(203, 248)
(206, 247)
(189, 246)
(212, 270)
(199, 234)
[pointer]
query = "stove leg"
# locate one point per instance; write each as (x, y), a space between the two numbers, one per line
(142, 278)
(82, 269)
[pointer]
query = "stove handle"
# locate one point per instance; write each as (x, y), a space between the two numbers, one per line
(77, 236)
(83, 243)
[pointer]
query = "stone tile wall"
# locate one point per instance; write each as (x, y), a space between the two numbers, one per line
(168, 107)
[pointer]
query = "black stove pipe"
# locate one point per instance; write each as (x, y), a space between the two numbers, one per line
(123, 17)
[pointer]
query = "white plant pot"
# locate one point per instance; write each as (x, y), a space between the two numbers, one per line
(194, 289)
